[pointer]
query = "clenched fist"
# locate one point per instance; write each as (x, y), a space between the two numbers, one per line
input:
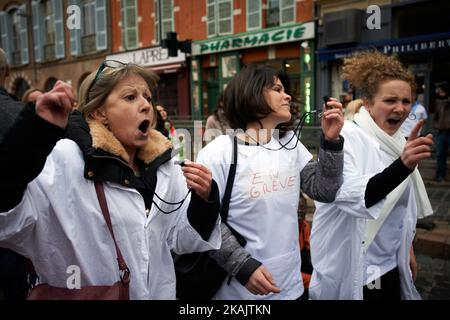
(56, 105)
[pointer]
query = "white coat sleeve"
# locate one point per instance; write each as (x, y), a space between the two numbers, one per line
(357, 173)
(183, 238)
(22, 226)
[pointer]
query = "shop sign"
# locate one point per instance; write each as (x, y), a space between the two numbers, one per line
(417, 46)
(149, 57)
(255, 39)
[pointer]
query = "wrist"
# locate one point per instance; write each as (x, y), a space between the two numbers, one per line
(332, 145)
(333, 138)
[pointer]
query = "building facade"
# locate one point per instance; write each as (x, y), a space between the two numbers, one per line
(52, 40)
(236, 33)
(417, 31)
(137, 28)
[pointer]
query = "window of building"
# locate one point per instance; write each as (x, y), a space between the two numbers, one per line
(48, 29)
(88, 17)
(88, 26)
(220, 17)
(14, 34)
(49, 23)
(16, 59)
(163, 19)
(92, 36)
(280, 12)
(253, 14)
(129, 24)
(287, 12)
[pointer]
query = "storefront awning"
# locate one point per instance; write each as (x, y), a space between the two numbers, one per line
(168, 68)
(416, 44)
(253, 39)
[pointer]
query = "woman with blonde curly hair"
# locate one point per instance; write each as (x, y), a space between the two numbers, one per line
(361, 244)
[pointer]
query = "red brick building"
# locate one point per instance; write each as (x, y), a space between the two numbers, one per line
(277, 32)
(48, 40)
(236, 33)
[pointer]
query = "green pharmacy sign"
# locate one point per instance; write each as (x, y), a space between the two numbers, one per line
(255, 39)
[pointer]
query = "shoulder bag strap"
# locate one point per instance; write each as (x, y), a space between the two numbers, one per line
(124, 271)
(230, 182)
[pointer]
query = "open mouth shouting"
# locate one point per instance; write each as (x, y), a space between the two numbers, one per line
(143, 127)
(394, 121)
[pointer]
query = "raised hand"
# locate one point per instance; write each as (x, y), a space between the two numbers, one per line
(416, 148)
(56, 105)
(261, 282)
(198, 177)
(332, 119)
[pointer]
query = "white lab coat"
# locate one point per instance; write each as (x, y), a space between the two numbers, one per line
(59, 225)
(263, 209)
(339, 228)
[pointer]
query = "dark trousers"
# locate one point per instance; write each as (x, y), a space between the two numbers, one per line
(389, 287)
(14, 270)
(304, 296)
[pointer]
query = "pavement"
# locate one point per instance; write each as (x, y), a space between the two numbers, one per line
(433, 232)
(432, 245)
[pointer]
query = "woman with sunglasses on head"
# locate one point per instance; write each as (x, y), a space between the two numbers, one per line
(361, 244)
(272, 166)
(50, 211)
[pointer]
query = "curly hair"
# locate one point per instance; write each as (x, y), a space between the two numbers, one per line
(366, 70)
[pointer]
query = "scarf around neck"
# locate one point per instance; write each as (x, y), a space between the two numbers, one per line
(393, 146)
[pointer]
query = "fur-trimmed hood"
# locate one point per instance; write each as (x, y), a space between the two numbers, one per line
(106, 159)
(104, 139)
(92, 137)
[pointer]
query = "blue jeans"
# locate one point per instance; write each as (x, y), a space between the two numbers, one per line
(443, 142)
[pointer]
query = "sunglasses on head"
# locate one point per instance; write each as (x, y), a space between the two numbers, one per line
(113, 64)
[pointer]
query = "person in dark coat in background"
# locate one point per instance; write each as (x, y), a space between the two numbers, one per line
(442, 124)
(13, 267)
(9, 105)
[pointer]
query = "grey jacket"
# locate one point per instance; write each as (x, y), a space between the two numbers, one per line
(320, 180)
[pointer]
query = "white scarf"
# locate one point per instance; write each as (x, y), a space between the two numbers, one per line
(393, 146)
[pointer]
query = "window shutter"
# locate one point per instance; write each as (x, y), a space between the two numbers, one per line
(167, 17)
(157, 24)
(24, 35)
(75, 34)
(130, 24)
(211, 15)
(59, 28)
(287, 11)
(100, 25)
(38, 31)
(6, 29)
(253, 14)
(225, 17)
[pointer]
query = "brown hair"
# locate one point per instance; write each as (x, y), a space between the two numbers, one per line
(366, 70)
(243, 99)
(92, 97)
